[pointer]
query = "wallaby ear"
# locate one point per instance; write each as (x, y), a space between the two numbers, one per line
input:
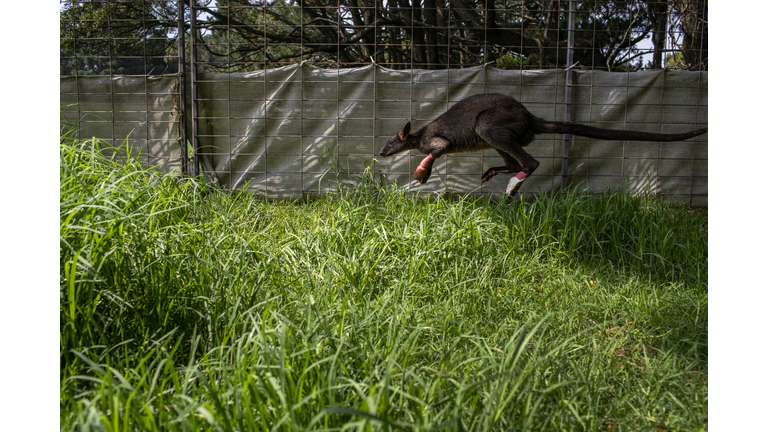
(404, 132)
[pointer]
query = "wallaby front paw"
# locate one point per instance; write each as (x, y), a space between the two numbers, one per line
(424, 169)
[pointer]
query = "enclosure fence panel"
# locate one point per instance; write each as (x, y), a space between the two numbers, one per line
(291, 98)
(301, 129)
(122, 74)
(137, 114)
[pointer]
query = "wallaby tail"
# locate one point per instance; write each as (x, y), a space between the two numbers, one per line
(609, 134)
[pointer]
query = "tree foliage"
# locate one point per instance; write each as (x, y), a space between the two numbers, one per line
(130, 38)
(242, 35)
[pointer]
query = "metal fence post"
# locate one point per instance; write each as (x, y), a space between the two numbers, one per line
(182, 88)
(568, 88)
(193, 84)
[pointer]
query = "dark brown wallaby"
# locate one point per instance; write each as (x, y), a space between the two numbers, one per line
(502, 123)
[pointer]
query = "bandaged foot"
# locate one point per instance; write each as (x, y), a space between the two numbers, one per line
(423, 168)
(514, 182)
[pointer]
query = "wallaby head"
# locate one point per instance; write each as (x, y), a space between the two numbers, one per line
(404, 140)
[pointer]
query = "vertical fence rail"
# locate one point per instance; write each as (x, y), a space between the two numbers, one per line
(568, 91)
(193, 85)
(112, 79)
(182, 89)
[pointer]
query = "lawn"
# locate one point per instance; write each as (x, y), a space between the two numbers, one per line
(187, 308)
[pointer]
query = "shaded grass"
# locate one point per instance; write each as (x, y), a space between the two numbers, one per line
(184, 308)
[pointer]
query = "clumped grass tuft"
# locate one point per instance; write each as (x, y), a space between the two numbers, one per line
(186, 308)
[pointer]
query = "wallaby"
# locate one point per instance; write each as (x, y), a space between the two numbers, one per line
(502, 123)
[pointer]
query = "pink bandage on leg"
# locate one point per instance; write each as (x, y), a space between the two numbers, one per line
(423, 167)
(515, 181)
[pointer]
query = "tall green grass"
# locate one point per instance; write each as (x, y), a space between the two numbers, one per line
(186, 308)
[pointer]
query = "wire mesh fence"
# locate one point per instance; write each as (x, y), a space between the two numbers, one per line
(121, 66)
(297, 97)
(239, 36)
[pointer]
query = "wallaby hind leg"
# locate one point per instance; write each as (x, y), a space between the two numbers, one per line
(512, 166)
(505, 141)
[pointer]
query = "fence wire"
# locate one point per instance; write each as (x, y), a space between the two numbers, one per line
(296, 97)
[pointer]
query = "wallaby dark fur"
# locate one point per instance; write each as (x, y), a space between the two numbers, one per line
(502, 123)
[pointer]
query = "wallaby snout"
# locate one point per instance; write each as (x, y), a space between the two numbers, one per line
(387, 149)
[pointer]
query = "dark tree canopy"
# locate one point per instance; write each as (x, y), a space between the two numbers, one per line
(131, 38)
(242, 35)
